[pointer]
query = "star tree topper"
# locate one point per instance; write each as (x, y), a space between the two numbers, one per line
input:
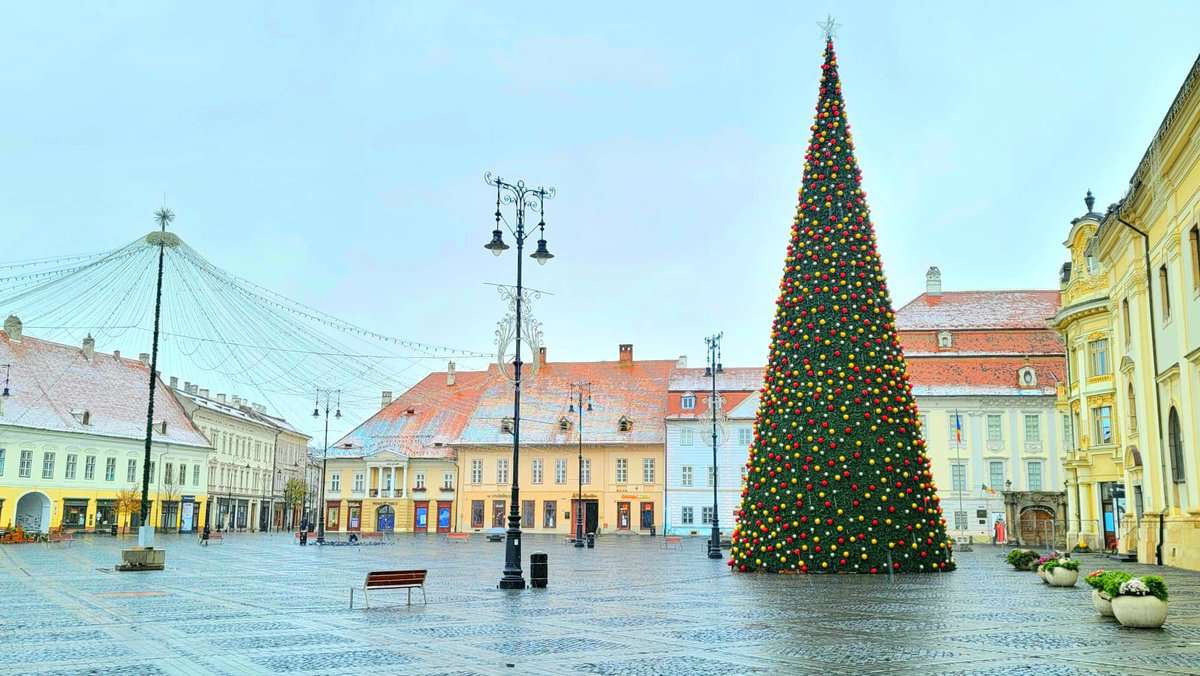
(829, 27)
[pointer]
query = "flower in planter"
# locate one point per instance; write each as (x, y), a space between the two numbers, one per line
(1151, 585)
(1113, 580)
(1134, 587)
(1095, 579)
(1065, 564)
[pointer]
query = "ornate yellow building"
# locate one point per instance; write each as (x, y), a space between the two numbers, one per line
(1131, 321)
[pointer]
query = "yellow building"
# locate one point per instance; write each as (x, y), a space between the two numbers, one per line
(1131, 317)
(72, 430)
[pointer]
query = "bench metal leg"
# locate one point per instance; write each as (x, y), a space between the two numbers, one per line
(424, 601)
(410, 596)
(352, 598)
(366, 598)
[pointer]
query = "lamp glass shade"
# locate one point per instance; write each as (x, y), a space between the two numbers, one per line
(497, 245)
(542, 254)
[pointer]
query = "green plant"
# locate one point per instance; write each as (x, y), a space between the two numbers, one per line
(1065, 564)
(1157, 586)
(1021, 558)
(1095, 579)
(1113, 580)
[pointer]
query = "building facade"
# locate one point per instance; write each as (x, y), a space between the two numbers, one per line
(983, 366)
(691, 473)
(288, 464)
(1131, 316)
(72, 432)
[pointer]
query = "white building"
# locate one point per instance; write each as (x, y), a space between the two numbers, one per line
(689, 427)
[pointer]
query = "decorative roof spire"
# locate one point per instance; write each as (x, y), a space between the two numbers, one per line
(1090, 201)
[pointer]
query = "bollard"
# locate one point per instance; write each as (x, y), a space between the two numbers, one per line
(891, 574)
(539, 570)
(591, 540)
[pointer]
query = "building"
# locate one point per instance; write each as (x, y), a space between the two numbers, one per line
(289, 464)
(1131, 319)
(397, 472)
(72, 434)
(242, 464)
(688, 496)
(610, 455)
(313, 470)
(983, 366)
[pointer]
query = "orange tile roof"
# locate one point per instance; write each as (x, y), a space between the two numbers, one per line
(958, 375)
(979, 310)
(994, 341)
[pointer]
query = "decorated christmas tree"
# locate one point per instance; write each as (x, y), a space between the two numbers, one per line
(838, 479)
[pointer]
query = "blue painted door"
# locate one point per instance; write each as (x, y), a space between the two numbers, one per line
(385, 519)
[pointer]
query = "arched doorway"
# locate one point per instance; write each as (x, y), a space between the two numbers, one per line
(385, 519)
(33, 512)
(1037, 526)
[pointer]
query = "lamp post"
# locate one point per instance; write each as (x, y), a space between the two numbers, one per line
(521, 197)
(713, 368)
(577, 392)
(329, 394)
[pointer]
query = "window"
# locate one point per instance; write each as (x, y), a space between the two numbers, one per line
(536, 470)
(564, 424)
(26, 469)
(996, 474)
(502, 471)
(110, 469)
(745, 436)
(945, 339)
(706, 514)
(647, 470)
(1132, 409)
(958, 434)
(183, 474)
(497, 513)
(958, 476)
(549, 513)
(624, 424)
(477, 471)
(622, 471)
(960, 521)
(168, 473)
(688, 402)
(1125, 322)
(506, 426)
(131, 471)
(1102, 417)
(528, 507)
(1098, 354)
(48, 465)
(686, 479)
(1033, 475)
(993, 428)
(712, 476)
(359, 482)
(1165, 288)
(1194, 247)
(152, 474)
(447, 481)
(1033, 428)
(89, 468)
(1, 462)
(335, 482)
(585, 471)
(419, 481)
(685, 515)
(687, 436)
(477, 514)
(72, 459)
(195, 475)
(560, 471)
(1175, 443)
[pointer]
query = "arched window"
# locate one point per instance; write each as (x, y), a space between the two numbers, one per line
(688, 401)
(1132, 409)
(1175, 443)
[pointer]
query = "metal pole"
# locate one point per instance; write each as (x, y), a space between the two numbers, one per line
(163, 216)
(714, 544)
(579, 504)
(324, 466)
(512, 577)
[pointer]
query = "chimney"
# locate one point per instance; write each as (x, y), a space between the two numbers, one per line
(933, 282)
(12, 326)
(221, 397)
(542, 355)
(192, 388)
(625, 351)
(143, 357)
(174, 383)
(89, 347)
(385, 399)
(450, 374)
(681, 363)
(203, 391)
(117, 355)
(187, 386)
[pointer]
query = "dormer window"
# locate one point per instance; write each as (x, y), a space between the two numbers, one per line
(688, 402)
(625, 424)
(161, 427)
(506, 426)
(1027, 377)
(82, 416)
(564, 424)
(945, 339)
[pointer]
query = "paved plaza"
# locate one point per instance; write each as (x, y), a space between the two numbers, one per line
(260, 604)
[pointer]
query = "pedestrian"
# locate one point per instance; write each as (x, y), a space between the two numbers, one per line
(204, 536)
(304, 532)
(998, 531)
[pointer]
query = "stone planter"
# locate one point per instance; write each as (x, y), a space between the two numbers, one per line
(1143, 612)
(1041, 571)
(1101, 603)
(1061, 577)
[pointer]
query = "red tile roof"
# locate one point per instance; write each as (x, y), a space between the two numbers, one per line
(1007, 341)
(958, 375)
(978, 310)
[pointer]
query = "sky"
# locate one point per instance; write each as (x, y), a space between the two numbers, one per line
(335, 152)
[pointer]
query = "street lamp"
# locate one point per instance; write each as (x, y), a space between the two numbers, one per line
(713, 368)
(521, 198)
(578, 390)
(329, 394)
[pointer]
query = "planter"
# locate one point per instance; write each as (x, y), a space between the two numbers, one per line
(1061, 577)
(1041, 571)
(1143, 612)
(1101, 603)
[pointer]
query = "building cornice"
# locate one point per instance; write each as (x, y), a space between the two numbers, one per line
(1070, 313)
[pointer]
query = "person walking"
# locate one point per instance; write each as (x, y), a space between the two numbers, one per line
(998, 531)
(304, 532)
(204, 536)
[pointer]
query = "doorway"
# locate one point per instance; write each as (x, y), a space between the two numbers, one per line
(647, 512)
(385, 519)
(33, 512)
(444, 507)
(623, 521)
(590, 514)
(421, 516)
(1037, 526)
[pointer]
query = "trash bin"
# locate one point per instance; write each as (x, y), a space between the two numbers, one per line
(591, 540)
(539, 570)
(652, 533)
(114, 530)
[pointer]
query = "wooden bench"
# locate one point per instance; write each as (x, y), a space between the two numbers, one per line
(312, 535)
(672, 542)
(458, 537)
(392, 579)
(61, 537)
(214, 537)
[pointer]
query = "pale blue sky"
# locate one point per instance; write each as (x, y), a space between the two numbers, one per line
(334, 151)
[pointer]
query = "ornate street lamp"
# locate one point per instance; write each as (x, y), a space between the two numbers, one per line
(329, 394)
(713, 368)
(521, 198)
(578, 390)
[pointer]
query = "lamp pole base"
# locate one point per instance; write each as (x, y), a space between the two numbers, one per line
(513, 578)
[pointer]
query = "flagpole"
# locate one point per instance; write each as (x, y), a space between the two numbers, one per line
(958, 458)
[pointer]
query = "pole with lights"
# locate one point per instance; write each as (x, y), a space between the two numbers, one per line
(711, 370)
(578, 391)
(521, 198)
(329, 395)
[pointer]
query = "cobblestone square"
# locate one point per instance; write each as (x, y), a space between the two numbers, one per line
(261, 604)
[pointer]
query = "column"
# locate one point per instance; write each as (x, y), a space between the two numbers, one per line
(404, 489)
(392, 494)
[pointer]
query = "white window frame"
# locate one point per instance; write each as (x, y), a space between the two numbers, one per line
(622, 470)
(687, 436)
(648, 470)
(1033, 432)
(535, 470)
(477, 471)
(25, 468)
(72, 463)
(48, 464)
(687, 474)
(560, 471)
(586, 472)
(687, 515)
(502, 470)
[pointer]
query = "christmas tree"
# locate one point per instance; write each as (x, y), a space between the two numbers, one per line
(838, 479)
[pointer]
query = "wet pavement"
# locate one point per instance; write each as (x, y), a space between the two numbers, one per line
(260, 604)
